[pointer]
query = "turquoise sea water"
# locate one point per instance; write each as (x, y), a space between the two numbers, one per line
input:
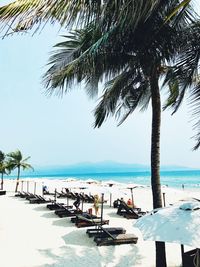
(188, 178)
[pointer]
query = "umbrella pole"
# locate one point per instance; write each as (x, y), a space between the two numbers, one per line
(182, 254)
(110, 199)
(27, 186)
(197, 258)
(55, 195)
(164, 203)
(34, 188)
(132, 195)
(22, 186)
(102, 200)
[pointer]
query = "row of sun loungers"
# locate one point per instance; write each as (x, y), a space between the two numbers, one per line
(102, 235)
(84, 197)
(33, 198)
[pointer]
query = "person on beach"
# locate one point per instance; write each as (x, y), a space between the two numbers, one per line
(96, 204)
(121, 205)
(45, 190)
(130, 203)
(77, 202)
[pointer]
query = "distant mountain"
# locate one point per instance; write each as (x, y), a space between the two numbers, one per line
(99, 167)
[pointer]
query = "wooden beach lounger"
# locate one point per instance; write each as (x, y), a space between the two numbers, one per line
(56, 206)
(82, 221)
(22, 194)
(115, 239)
(98, 232)
(66, 212)
(128, 212)
(39, 200)
(2, 192)
(85, 215)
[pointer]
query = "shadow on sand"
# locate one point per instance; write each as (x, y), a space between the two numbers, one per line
(81, 251)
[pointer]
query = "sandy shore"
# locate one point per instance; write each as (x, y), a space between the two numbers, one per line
(32, 235)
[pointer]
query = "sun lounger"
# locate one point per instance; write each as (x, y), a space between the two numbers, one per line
(66, 212)
(56, 206)
(19, 194)
(83, 221)
(189, 258)
(115, 239)
(22, 194)
(39, 200)
(30, 195)
(85, 215)
(134, 215)
(2, 192)
(98, 232)
(128, 212)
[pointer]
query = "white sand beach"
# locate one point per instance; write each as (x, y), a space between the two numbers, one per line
(31, 235)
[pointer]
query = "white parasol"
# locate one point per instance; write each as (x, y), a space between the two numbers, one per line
(179, 223)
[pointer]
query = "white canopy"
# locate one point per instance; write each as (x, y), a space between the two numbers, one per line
(179, 223)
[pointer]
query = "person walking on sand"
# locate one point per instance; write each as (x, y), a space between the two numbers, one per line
(96, 204)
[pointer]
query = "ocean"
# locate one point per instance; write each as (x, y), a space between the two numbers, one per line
(176, 179)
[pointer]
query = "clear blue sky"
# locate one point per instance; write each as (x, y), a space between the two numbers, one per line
(55, 131)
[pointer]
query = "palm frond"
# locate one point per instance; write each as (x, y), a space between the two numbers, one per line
(122, 96)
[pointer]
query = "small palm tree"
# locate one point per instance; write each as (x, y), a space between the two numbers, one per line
(3, 167)
(16, 161)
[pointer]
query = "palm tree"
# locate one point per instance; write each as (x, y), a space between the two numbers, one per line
(3, 167)
(125, 43)
(16, 161)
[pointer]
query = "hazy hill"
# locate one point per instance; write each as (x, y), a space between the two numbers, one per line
(99, 167)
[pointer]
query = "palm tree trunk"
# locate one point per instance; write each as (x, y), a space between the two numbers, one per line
(2, 181)
(155, 159)
(17, 183)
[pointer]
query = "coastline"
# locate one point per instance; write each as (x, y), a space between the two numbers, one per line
(172, 178)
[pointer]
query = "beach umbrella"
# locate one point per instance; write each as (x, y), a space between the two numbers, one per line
(111, 183)
(131, 187)
(178, 223)
(70, 179)
(91, 181)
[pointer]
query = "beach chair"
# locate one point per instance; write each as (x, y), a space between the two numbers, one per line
(128, 212)
(39, 200)
(2, 192)
(86, 220)
(190, 258)
(30, 195)
(114, 239)
(56, 206)
(67, 212)
(98, 232)
(89, 199)
(22, 194)
(85, 215)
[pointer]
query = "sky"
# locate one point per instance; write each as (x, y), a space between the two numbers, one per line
(59, 131)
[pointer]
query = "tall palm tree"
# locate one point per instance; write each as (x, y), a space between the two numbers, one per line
(16, 161)
(125, 43)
